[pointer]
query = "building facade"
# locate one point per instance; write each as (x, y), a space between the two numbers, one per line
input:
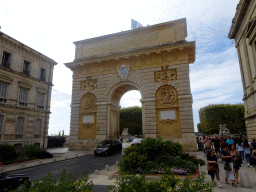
(243, 31)
(25, 93)
(153, 60)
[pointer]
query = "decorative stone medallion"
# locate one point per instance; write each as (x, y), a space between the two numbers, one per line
(123, 71)
(165, 75)
(166, 95)
(88, 102)
(88, 84)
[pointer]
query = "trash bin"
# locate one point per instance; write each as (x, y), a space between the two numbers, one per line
(200, 146)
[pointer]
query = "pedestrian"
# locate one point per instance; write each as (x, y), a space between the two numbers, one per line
(253, 144)
(208, 144)
(247, 152)
(216, 143)
(230, 141)
(253, 158)
(236, 161)
(236, 139)
(213, 167)
(240, 149)
(228, 165)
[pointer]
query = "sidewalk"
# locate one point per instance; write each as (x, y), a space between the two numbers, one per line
(61, 154)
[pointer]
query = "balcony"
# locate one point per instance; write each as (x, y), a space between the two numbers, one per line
(40, 107)
(2, 100)
(23, 104)
(18, 136)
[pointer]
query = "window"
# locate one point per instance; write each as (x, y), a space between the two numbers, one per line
(1, 123)
(3, 87)
(40, 100)
(38, 124)
(43, 74)
(6, 60)
(26, 67)
(23, 96)
(20, 127)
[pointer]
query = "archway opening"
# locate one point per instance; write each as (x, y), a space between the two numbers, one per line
(130, 114)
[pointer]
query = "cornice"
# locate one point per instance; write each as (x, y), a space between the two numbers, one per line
(14, 44)
(41, 89)
(25, 84)
(5, 78)
(21, 74)
(190, 46)
(241, 9)
(22, 108)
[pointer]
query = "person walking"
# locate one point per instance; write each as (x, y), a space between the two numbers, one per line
(216, 143)
(208, 145)
(240, 149)
(213, 167)
(236, 161)
(228, 165)
(247, 152)
(230, 141)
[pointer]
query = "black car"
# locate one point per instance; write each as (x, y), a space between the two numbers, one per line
(107, 147)
(13, 181)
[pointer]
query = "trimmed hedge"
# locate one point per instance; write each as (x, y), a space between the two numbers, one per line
(7, 152)
(212, 116)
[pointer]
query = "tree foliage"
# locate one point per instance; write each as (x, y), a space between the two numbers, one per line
(212, 116)
(131, 118)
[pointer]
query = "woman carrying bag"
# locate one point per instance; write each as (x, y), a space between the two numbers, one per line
(228, 165)
(213, 167)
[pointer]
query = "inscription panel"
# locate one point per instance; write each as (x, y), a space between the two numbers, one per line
(176, 31)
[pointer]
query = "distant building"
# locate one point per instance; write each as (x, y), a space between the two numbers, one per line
(25, 93)
(243, 31)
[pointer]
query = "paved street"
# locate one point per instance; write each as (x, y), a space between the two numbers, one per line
(88, 163)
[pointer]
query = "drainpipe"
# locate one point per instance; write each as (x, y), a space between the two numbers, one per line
(47, 100)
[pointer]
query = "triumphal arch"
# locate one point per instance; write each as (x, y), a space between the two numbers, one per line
(153, 60)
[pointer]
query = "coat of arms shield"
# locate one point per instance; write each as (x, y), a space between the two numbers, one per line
(123, 71)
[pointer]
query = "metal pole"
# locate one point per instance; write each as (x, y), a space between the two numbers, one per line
(47, 99)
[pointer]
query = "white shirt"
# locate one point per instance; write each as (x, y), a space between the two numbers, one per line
(239, 147)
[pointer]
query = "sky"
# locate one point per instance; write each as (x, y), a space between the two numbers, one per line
(51, 27)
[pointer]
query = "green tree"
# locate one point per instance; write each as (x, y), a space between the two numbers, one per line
(131, 118)
(212, 116)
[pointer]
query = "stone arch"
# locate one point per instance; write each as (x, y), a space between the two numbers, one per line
(114, 96)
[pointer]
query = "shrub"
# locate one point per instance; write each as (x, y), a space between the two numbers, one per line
(156, 156)
(7, 152)
(67, 182)
(166, 183)
(30, 152)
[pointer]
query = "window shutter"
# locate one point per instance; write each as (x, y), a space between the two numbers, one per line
(38, 127)
(20, 125)
(23, 94)
(1, 122)
(2, 89)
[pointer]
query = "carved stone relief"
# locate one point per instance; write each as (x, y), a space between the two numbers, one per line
(123, 71)
(165, 75)
(168, 121)
(166, 95)
(88, 102)
(89, 84)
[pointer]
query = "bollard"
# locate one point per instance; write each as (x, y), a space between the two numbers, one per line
(110, 177)
(117, 163)
(54, 159)
(96, 172)
(40, 162)
(244, 180)
(107, 167)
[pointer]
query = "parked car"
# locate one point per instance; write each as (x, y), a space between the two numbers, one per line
(130, 140)
(13, 181)
(136, 141)
(107, 147)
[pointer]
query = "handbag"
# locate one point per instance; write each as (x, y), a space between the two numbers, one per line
(211, 167)
(227, 166)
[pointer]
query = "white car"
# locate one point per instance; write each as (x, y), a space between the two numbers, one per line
(136, 141)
